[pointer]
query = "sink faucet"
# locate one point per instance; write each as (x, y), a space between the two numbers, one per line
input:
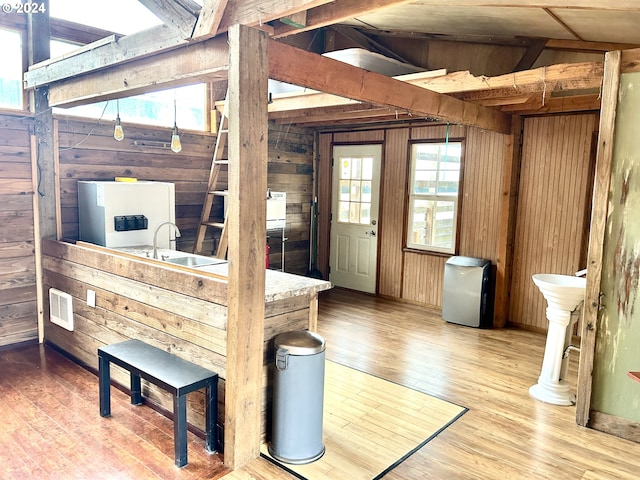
(155, 236)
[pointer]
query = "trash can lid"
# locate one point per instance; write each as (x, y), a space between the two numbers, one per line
(467, 261)
(300, 342)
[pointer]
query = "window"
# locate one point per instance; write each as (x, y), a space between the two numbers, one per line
(11, 72)
(354, 202)
(433, 196)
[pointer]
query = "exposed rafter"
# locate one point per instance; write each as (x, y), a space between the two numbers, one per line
(209, 19)
(179, 15)
(336, 12)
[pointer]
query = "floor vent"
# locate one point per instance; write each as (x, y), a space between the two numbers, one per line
(61, 309)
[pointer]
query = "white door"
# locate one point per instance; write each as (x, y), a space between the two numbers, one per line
(354, 216)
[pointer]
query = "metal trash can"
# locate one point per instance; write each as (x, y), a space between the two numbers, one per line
(467, 292)
(298, 391)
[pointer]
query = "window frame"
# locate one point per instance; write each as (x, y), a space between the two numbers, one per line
(24, 60)
(411, 197)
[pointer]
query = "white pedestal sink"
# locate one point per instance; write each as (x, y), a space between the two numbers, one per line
(563, 293)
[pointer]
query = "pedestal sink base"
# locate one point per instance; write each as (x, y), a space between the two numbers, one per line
(563, 294)
(555, 394)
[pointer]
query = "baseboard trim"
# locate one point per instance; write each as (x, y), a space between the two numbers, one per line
(620, 427)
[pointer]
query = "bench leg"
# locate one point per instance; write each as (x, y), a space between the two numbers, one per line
(211, 409)
(180, 429)
(136, 390)
(104, 386)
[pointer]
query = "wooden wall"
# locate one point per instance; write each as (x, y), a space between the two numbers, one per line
(416, 276)
(18, 308)
(88, 151)
(173, 308)
(559, 144)
(551, 235)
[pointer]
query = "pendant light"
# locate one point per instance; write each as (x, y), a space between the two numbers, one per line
(118, 132)
(176, 146)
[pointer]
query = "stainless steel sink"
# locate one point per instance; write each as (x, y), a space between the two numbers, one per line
(191, 261)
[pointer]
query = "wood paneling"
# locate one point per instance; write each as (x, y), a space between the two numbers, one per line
(414, 276)
(392, 208)
(555, 191)
(480, 213)
(422, 282)
(89, 152)
(18, 308)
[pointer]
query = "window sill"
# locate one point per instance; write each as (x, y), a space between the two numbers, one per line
(427, 252)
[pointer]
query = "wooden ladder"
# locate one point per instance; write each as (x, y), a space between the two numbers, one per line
(213, 189)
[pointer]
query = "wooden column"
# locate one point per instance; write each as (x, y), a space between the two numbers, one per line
(39, 50)
(43, 151)
(506, 232)
(604, 158)
(248, 71)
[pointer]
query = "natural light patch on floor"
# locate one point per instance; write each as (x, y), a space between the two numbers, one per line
(371, 425)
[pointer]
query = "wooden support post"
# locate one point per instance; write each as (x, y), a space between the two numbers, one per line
(43, 151)
(506, 231)
(39, 50)
(248, 73)
(602, 185)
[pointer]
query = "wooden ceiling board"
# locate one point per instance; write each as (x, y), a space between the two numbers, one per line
(603, 26)
(485, 21)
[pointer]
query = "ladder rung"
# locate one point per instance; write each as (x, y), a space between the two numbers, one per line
(213, 224)
(218, 193)
(224, 130)
(221, 162)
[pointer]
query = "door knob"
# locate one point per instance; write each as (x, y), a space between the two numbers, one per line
(372, 233)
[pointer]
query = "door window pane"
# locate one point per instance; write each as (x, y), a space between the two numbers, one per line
(354, 201)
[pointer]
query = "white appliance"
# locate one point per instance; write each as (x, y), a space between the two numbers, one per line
(126, 214)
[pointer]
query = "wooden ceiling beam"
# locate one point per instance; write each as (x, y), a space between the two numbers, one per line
(179, 15)
(336, 12)
(200, 62)
(591, 47)
(209, 19)
(538, 106)
(258, 12)
(568, 76)
(158, 39)
(130, 47)
(293, 65)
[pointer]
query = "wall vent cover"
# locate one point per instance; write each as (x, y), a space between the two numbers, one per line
(61, 309)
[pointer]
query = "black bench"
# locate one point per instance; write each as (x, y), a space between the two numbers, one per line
(172, 373)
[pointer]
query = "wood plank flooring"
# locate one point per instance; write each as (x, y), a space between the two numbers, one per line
(369, 425)
(505, 434)
(50, 427)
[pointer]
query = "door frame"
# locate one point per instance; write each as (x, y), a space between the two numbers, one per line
(326, 203)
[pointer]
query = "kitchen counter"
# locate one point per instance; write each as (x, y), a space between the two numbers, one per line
(278, 285)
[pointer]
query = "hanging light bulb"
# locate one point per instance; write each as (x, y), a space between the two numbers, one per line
(176, 146)
(118, 132)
